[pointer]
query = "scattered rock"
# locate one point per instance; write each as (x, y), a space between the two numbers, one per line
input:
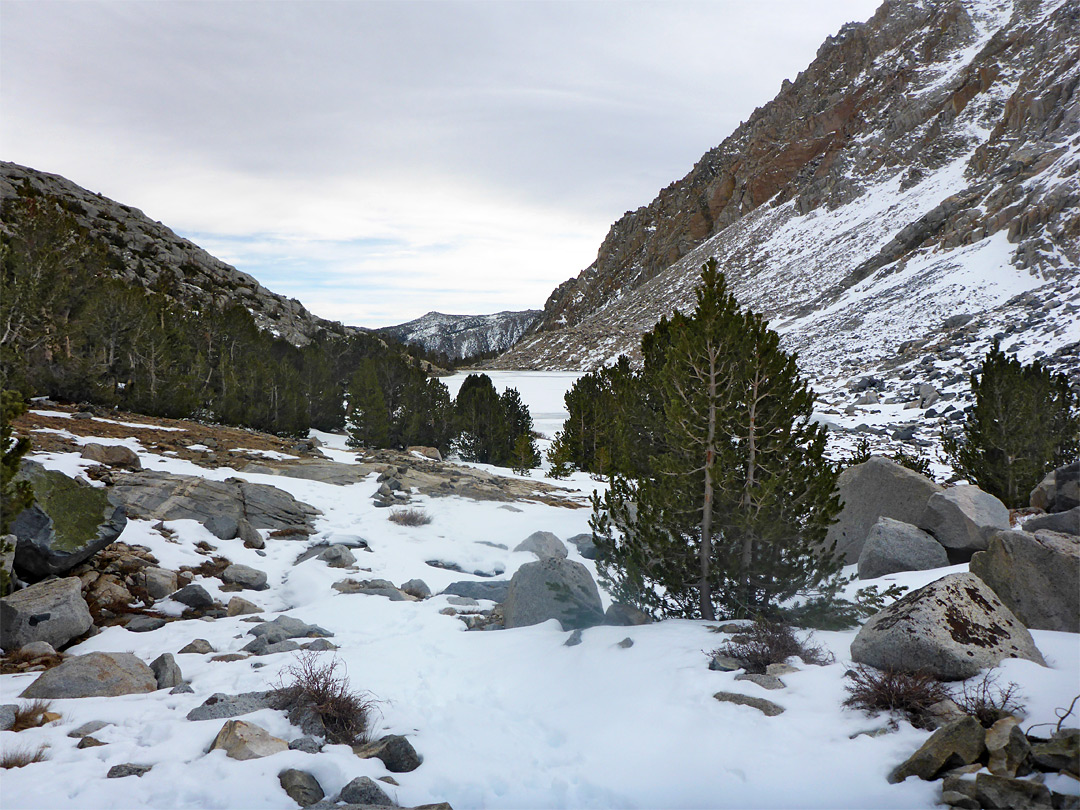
(261, 646)
(764, 681)
(723, 663)
(553, 588)
(573, 640)
(543, 545)
(52, 611)
(780, 669)
(7, 716)
(96, 674)
(141, 623)
(620, 615)
(159, 582)
(427, 452)
(364, 791)
(309, 745)
(338, 556)
(879, 487)
(1060, 753)
(238, 606)
(249, 534)
(626, 643)
(220, 706)
(494, 590)
(89, 742)
(284, 627)
(766, 707)
(462, 601)
(88, 728)
(963, 518)
(396, 753)
(245, 576)
(199, 646)
(112, 455)
(1059, 491)
(417, 588)
(182, 689)
(893, 545)
(1037, 576)
(194, 596)
(223, 527)
(1002, 792)
(127, 769)
(166, 671)
(585, 545)
(1009, 749)
(302, 787)
(958, 743)
(951, 628)
(67, 524)
(242, 740)
(319, 645)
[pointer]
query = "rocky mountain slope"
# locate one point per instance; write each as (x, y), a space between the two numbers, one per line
(461, 336)
(144, 252)
(913, 193)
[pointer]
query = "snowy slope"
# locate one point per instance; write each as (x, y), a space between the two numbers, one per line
(461, 336)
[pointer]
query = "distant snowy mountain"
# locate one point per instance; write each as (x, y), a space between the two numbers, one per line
(912, 194)
(461, 336)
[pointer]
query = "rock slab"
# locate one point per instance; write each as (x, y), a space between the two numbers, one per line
(953, 745)
(52, 611)
(97, 674)
(242, 740)
(951, 628)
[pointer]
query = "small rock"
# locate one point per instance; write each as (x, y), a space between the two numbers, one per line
(242, 740)
(543, 545)
(239, 606)
(338, 556)
(764, 681)
(112, 455)
(182, 689)
(194, 596)
(250, 535)
(37, 649)
(626, 643)
(7, 716)
(89, 742)
(767, 707)
(159, 582)
(1002, 792)
(364, 791)
(1060, 753)
(396, 753)
(302, 787)
(1009, 748)
(780, 669)
(199, 646)
(319, 645)
(245, 576)
(462, 601)
(127, 769)
(620, 615)
(573, 640)
(220, 706)
(88, 728)
(417, 588)
(144, 624)
(309, 745)
(723, 663)
(961, 742)
(166, 671)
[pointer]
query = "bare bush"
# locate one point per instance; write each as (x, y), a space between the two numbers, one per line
(31, 715)
(410, 517)
(909, 694)
(987, 702)
(317, 683)
(21, 757)
(765, 642)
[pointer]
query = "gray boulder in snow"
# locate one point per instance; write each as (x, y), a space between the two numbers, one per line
(542, 544)
(242, 740)
(893, 545)
(166, 671)
(879, 487)
(194, 596)
(159, 582)
(302, 787)
(417, 588)
(223, 527)
(363, 791)
(245, 576)
(112, 455)
(285, 627)
(338, 556)
(620, 615)
(951, 628)
(52, 611)
(97, 674)
(963, 518)
(1067, 522)
(553, 588)
(221, 706)
(249, 534)
(585, 545)
(1059, 490)
(493, 589)
(1036, 575)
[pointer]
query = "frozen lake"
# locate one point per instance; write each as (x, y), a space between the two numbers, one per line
(541, 391)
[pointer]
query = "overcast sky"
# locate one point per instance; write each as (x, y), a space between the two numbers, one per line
(378, 160)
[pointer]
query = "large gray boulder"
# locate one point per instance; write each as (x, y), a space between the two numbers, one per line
(951, 628)
(585, 545)
(1059, 490)
(245, 576)
(52, 611)
(879, 487)
(1067, 522)
(553, 588)
(542, 544)
(167, 496)
(97, 674)
(1036, 575)
(68, 523)
(963, 518)
(893, 545)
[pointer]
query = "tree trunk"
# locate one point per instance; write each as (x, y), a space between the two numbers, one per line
(746, 558)
(705, 587)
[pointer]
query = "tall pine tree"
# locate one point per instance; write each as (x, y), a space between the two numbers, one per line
(741, 494)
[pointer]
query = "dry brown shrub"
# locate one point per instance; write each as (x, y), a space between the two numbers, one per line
(909, 694)
(31, 715)
(987, 702)
(344, 712)
(765, 642)
(410, 517)
(21, 757)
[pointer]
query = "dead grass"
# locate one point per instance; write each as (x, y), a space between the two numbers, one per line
(987, 702)
(345, 713)
(410, 517)
(909, 694)
(764, 643)
(23, 756)
(31, 715)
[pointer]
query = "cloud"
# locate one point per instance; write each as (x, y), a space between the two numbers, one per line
(380, 159)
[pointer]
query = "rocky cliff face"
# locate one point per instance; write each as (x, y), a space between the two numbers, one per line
(144, 252)
(462, 336)
(915, 190)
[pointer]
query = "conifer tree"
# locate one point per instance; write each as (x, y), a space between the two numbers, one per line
(742, 494)
(1024, 423)
(367, 422)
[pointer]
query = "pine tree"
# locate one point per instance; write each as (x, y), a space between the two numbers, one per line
(559, 457)
(1024, 423)
(367, 421)
(477, 419)
(742, 493)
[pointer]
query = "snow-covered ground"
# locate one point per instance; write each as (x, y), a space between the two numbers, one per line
(503, 719)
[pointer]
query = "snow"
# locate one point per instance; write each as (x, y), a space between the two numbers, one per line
(274, 455)
(503, 719)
